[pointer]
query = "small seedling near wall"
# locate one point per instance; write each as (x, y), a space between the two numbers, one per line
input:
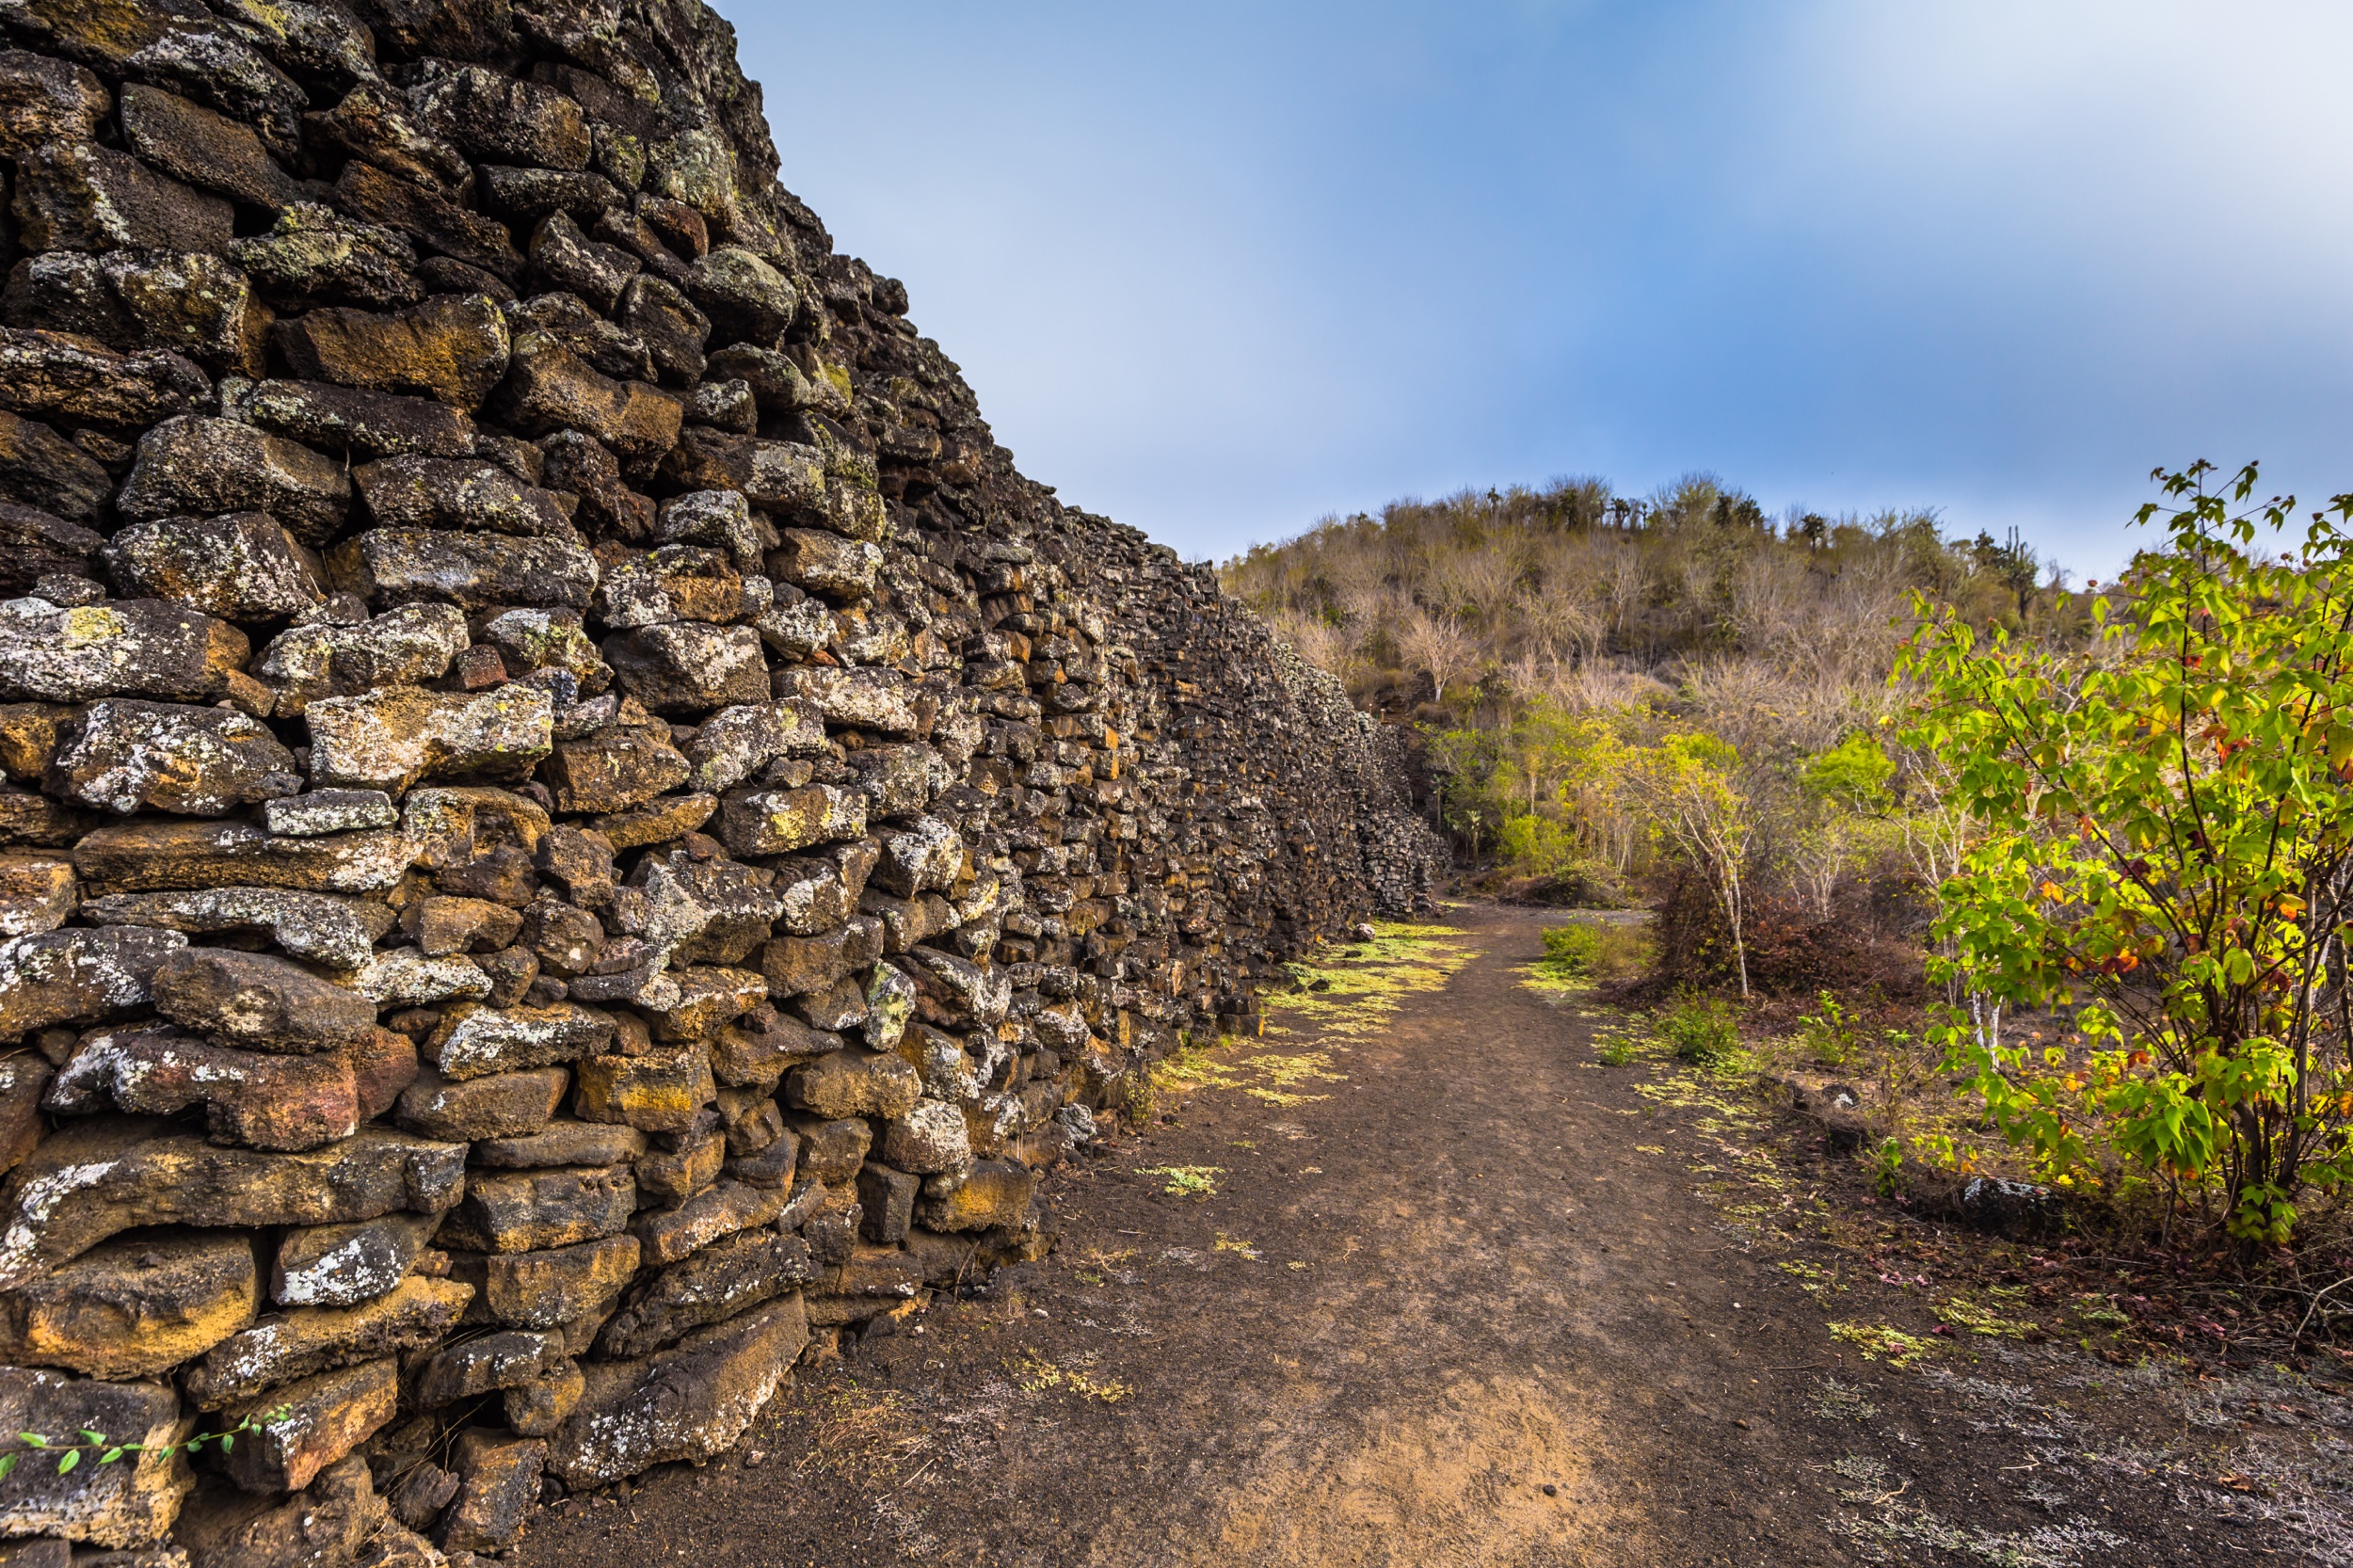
(108, 1451)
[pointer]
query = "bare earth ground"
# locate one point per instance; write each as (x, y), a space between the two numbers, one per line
(1461, 1294)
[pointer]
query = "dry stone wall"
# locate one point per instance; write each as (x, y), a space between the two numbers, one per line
(571, 822)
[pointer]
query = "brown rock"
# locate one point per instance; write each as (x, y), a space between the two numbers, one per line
(297, 1344)
(618, 767)
(710, 1287)
(242, 566)
(542, 1290)
(563, 1143)
(501, 1490)
(360, 425)
(34, 545)
(994, 1193)
(30, 734)
(329, 1522)
(78, 196)
(746, 299)
(658, 822)
(689, 667)
(796, 965)
(471, 1042)
(26, 818)
(708, 997)
(125, 648)
(688, 1402)
(564, 258)
(667, 1234)
(193, 464)
(763, 1048)
(385, 201)
(499, 118)
(258, 1001)
(40, 468)
(59, 375)
(188, 301)
(444, 492)
(670, 1177)
(98, 1178)
(405, 647)
(505, 1105)
(445, 925)
(38, 891)
(669, 324)
(513, 1211)
(854, 1082)
(756, 823)
(508, 1359)
(284, 1103)
(302, 1428)
(452, 347)
(123, 1504)
(392, 738)
(832, 1152)
(203, 147)
(537, 1409)
(77, 976)
(142, 855)
(398, 564)
(373, 123)
(314, 255)
(132, 1308)
(550, 388)
(783, 478)
(342, 1265)
(674, 583)
(656, 1092)
(45, 100)
(887, 1197)
(164, 757)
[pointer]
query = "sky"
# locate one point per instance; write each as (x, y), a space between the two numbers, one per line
(1219, 269)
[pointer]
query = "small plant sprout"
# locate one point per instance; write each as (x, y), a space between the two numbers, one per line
(108, 1451)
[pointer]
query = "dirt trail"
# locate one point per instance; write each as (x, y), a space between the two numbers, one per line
(1459, 1310)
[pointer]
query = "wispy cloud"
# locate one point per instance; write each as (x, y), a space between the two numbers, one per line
(1219, 269)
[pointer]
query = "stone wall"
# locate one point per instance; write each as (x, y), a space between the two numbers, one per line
(573, 824)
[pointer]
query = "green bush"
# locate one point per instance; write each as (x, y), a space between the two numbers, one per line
(1595, 951)
(1703, 1031)
(1829, 1037)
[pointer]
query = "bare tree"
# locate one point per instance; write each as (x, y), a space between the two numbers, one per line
(1438, 646)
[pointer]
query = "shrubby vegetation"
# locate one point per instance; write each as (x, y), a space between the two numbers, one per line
(2162, 846)
(2099, 845)
(1671, 699)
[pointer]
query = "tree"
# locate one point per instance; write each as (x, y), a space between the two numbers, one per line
(2164, 835)
(1438, 646)
(1687, 785)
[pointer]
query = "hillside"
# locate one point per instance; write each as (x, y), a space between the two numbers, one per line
(1585, 671)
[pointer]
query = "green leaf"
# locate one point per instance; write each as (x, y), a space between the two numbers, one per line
(68, 1460)
(34, 1439)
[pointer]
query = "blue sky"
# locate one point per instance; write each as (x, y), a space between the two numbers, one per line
(1219, 270)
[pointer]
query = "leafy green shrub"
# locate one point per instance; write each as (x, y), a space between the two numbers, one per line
(2161, 841)
(1595, 951)
(1829, 1037)
(1703, 1031)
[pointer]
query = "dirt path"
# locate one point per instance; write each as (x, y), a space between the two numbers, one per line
(1461, 1308)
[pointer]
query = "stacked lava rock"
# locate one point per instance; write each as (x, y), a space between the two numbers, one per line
(573, 824)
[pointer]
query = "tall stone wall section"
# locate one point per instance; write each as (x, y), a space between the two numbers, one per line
(571, 822)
